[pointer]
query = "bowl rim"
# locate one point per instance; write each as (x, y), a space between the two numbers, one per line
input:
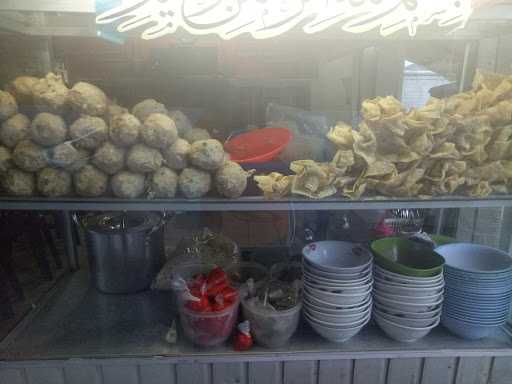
(419, 279)
(384, 314)
(353, 330)
(313, 269)
(364, 308)
(361, 322)
(401, 297)
(406, 327)
(369, 301)
(406, 288)
(472, 324)
(335, 288)
(312, 314)
(368, 291)
(367, 253)
(308, 275)
(413, 304)
(435, 311)
(335, 305)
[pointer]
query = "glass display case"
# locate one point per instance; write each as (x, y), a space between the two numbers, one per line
(255, 191)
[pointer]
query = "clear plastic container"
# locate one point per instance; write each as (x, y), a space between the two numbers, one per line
(210, 328)
(287, 272)
(272, 328)
(239, 273)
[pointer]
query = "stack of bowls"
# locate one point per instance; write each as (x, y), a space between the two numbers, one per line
(337, 288)
(478, 289)
(408, 298)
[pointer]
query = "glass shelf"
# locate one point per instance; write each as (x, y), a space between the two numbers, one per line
(79, 322)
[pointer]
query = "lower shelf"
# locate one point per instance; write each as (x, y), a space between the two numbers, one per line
(78, 322)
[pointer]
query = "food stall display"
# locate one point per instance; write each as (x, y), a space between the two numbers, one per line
(255, 192)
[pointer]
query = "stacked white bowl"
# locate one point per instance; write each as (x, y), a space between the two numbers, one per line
(337, 288)
(478, 289)
(406, 308)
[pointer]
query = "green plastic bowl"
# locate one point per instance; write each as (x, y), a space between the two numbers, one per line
(407, 257)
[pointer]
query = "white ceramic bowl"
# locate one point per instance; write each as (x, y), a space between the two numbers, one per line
(340, 319)
(410, 299)
(334, 310)
(392, 283)
(352, 302)
(403, 279)
(335, 298)
(336, 275)
(402, 333)
(336, 335)
(353, 324)
(412, 292)
(405, 321)
(475, 258)
(409, 315)
(406, 307)
(311, 278)
(344, 290)
(337, 256)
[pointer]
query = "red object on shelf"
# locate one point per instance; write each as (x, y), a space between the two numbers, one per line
(258, 145)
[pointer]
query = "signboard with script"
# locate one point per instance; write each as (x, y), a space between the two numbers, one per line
(269, 18)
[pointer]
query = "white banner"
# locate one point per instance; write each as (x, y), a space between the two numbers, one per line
(269, 18)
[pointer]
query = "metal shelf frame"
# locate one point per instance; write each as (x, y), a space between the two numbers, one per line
(249, 204)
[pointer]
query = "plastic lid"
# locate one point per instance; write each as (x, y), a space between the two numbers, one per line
(258, 145)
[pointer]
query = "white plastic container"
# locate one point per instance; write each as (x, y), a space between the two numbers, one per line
(272, 328)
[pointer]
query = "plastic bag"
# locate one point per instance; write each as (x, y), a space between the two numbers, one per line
(297, 120)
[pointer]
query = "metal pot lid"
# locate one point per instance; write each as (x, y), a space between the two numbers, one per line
(121, 222)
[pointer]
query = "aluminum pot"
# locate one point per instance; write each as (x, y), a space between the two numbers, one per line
(125, 250)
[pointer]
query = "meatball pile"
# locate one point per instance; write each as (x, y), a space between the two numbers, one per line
(60, 141)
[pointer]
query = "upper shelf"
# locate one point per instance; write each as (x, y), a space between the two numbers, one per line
(248, 204)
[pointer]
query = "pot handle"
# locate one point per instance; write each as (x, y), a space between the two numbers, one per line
(77, 220)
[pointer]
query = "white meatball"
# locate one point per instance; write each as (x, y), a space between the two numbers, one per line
(159, 131)
(8, 105)
(88, 132)
(14, 130)
(53, 182)
(18, 183)
(109, 158)
(89, 181)
(143, 159)
(87, 99)
(128, 185)
(29, 156)
(164, 183)
(124, 129)
(48, 129)
(194, 183)
(206, 154)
